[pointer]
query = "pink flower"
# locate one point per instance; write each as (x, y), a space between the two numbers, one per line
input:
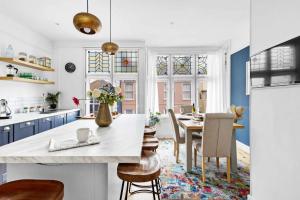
(76, 101)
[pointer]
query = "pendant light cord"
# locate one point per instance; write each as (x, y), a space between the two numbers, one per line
(87, 6)
(110, 21)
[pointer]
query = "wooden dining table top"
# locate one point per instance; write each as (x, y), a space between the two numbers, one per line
(188, 122)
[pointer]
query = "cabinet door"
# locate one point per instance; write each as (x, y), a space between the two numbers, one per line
(72, 116)
(59, 120)
(6, 134)
(25, 129)
(45, 124)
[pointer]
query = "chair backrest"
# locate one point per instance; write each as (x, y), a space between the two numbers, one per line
(217, 134)
(174, 124)
(186, 109)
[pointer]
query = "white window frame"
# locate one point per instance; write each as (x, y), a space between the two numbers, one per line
(131, 91)
(184, 91)
(193, 78)
(112, 76)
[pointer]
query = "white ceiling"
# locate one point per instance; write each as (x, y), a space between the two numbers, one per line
(157, 22)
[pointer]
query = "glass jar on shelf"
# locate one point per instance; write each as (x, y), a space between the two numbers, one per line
(22, 56)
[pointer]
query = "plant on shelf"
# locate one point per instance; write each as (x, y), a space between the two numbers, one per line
(106, 95)
(154, 118)
(52, 99)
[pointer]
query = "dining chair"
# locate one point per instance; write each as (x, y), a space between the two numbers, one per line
(178, 134)
(216, 140)
(184, 109)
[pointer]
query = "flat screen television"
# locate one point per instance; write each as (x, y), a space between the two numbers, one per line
(276, 66)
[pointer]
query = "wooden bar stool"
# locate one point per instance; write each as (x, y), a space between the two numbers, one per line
(32, 190)
(148, 170)
(149, 130)
(150, 139)
(150, 143)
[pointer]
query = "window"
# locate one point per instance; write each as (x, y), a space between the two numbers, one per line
(186, 91)
(186, 74)
(128, 87)
(120, 70)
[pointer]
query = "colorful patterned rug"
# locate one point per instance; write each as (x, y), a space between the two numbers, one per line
(177, 184)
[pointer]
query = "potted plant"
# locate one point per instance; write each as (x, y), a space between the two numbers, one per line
(154, 119)
(106, 95)
(52, 99)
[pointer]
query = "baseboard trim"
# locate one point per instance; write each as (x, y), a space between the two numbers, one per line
(243, 146)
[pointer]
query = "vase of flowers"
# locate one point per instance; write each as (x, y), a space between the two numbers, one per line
(107, 96)
(237, 111)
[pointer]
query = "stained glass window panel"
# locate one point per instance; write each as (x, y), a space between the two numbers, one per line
(182, 65)
(98, 62)
(126, 61)
(202, 64)
(162, 65)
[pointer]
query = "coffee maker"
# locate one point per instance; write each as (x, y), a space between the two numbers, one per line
(5, 112)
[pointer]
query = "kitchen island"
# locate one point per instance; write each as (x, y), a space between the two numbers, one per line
(84, 170)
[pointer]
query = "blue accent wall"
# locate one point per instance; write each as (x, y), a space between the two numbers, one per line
(238, 90)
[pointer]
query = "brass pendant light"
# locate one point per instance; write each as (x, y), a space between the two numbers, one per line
(109, 47)
(86, 22)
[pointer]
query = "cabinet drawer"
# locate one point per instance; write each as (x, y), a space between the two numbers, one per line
(25, 129)
(72, 116)
(45, 124)
(59, 120)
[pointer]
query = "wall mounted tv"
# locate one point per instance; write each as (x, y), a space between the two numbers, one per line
(276, 66)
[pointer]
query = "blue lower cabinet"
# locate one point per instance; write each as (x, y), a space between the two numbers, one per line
(25, 129)
(6, 134)
(72, 116)
(46, 124)
(59, 120)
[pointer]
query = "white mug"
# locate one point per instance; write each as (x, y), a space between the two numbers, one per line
(83, 134)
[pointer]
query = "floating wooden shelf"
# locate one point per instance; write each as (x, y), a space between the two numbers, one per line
(26, 64)
(26, 80)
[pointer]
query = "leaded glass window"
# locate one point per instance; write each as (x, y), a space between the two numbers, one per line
(202, 64)
(182, 65)
(162, 65)
(98, 62)
(126, 61)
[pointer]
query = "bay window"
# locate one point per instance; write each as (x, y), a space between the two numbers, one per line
(186, 74)
(120, 70)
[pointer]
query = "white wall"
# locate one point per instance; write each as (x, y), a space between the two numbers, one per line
(274, 112)
(23, 40)
(73, 84)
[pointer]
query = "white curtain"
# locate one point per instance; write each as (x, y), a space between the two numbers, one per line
(217, 83)
(152, 90)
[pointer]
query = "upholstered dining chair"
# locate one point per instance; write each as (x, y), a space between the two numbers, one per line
(216, 140)
(184, 109)
(178, 134)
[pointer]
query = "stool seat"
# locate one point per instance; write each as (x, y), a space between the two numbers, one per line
(150, 139)
(32, 190)
(147, 170)
(149, 131)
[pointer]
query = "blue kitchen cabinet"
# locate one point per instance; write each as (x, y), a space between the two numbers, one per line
(25, 129)
(59, 120)
(72, 116)
(6, 134)
(45, 124)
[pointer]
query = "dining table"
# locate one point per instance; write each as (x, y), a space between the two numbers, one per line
(190, 126)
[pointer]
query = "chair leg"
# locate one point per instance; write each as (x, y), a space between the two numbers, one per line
(218, 162)
(126, 195)
(195, 157)
(177, 152)
(153, 192)
(208, 159)
(121, 195)
(203, 169)
(175, 148)
(228, 170)
(157, 189)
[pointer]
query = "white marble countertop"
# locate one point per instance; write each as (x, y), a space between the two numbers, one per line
(120, 142)
(23, 117)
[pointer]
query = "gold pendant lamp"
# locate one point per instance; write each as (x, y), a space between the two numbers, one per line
(86, 22)
(109, 47)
